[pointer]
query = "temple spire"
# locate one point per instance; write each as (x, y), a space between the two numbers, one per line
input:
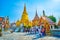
(36, 13)
(36, 16)
(24, 18)
(43, 13)
(24, 7)
(36, 19)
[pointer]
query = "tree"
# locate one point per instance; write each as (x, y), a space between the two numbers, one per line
(52, 18)
(55, 26)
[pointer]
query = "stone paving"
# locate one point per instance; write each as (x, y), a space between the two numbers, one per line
(23, 36)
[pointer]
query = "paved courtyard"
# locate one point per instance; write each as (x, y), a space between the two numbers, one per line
(23, 36)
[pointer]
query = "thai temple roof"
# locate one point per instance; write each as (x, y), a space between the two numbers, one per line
(36, 17)
(35, 20)
(44, 19)
(59, 22)
(49, 20)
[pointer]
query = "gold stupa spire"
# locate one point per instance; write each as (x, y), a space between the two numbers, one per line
(24, 18)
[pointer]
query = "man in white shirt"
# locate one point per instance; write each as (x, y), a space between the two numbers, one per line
(39, 30)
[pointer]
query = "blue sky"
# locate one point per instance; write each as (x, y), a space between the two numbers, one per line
(14, 8)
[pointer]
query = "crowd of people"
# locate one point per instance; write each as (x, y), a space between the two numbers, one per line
(32, 30)
(38, 30)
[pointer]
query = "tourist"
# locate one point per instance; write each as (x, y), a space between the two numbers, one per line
(39, 30)
(43, 31)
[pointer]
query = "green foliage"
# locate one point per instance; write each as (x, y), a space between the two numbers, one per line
(55, 26)
(25, 26)
(52, 18)
(29, 26)
(0, 30)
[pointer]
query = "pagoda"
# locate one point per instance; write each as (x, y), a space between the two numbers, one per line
(24, 18)
(58, 23)
(46, 23)
(35, 20)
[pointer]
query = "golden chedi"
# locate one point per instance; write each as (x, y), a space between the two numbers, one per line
(24, 18)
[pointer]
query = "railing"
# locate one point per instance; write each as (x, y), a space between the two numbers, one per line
(55, 32)
(54, 29)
